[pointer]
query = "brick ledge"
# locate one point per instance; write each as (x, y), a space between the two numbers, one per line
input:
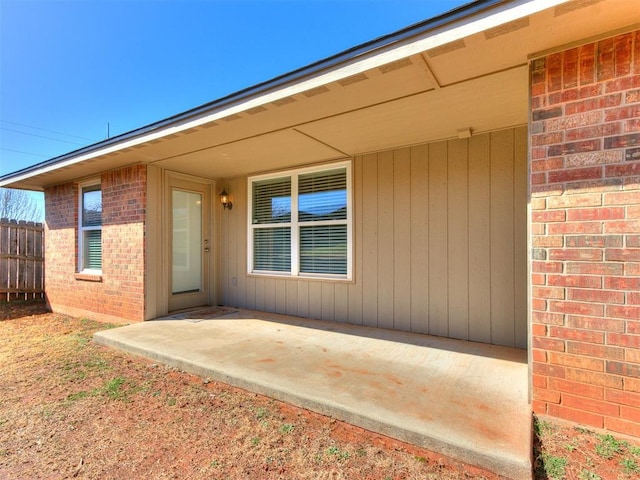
(88, 277)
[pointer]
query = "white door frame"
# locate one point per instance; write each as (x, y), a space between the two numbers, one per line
(182, 181)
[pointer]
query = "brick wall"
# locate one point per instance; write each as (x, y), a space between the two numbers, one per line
(585, 225)
(61, 246)
(119, 293)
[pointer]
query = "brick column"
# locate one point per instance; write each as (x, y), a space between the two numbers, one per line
(124, 199)
(585, 227)
(119, 293)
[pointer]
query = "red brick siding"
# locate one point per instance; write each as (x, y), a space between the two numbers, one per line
(585, 227)
(120, 293)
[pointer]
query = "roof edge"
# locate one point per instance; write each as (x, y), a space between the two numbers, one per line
(292, 77)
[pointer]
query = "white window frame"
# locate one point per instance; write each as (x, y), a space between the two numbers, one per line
(81, 229)
(295, 225)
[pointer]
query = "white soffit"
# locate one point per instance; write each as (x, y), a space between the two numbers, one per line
(458, 29)
(88, 168)
(513, 42)
(374, 87)
(469, 72)
(440, 36)
(261, 153)
(485, 104)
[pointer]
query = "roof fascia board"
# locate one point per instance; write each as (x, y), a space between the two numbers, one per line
(450, 27)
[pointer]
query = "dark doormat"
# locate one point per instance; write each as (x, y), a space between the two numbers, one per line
(201, 313)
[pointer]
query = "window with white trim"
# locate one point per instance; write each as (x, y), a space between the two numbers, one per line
(300, 222)
(90, 228)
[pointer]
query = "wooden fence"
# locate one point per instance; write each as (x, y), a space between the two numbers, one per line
(21, 260)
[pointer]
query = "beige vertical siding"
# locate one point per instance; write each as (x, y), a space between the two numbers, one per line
(440, 245)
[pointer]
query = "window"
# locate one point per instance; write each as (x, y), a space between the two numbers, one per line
(90, 229)
(300, 222)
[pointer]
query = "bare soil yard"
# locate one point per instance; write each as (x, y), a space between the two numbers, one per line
(72, 409)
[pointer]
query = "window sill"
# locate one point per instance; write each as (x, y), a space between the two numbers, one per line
(88, 277)
(312, 278)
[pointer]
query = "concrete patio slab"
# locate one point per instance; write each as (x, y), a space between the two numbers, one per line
(465, 400)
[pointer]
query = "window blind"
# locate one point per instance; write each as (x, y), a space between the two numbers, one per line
(91, 206)
(272, 249)
(300, 222)
(93, 249)
(272, 201)
(322, 196)
(90, 234)
(323, 249)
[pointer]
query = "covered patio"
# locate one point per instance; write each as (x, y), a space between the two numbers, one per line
(486, 166)
(466, 400)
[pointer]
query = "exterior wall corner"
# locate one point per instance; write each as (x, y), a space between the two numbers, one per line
(584, 179)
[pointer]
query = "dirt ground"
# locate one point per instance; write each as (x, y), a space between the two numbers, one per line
(72, 409)
(568, 451)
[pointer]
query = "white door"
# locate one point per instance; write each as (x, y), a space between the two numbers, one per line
(189, 247)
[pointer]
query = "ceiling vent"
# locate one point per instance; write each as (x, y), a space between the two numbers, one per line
(353, 79)
(390, 67)
(283, 101)
(256, 110)
(231, 118)
(316, 91)
(574, 5)
(446, 48)
(507, 28)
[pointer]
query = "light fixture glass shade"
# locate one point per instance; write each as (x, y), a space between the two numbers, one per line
(224, 200)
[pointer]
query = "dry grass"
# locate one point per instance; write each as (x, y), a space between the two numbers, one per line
(69, 408)
(568, 451)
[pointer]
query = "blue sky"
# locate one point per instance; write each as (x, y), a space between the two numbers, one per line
(67, 68)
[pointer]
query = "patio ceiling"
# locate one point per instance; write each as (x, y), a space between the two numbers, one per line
(470, 72)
